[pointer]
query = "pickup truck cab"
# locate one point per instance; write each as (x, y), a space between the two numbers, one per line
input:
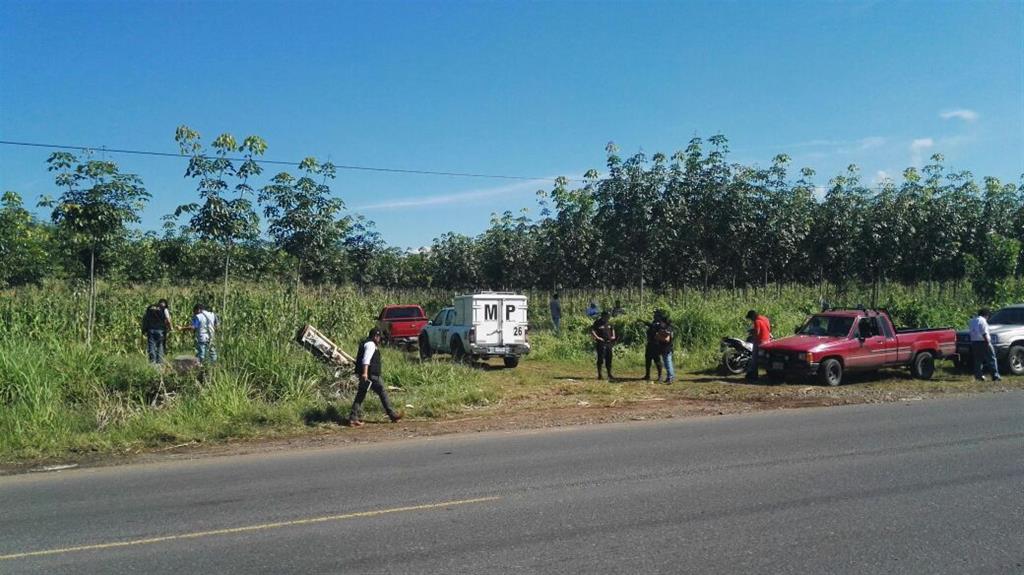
(1006, 327)
(479, 326)
(833, 343)
(401, 324)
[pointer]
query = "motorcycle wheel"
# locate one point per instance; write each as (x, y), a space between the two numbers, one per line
(734, 363)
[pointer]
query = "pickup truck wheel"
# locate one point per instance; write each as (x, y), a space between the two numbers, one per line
(425, 351)
(1015, 360)
(831, 372)
(923, 366)
(511, 361)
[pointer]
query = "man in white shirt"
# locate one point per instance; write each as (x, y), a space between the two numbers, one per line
(368, 367)
(205, 324)
(983, 353)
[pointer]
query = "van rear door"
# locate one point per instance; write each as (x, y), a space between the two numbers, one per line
(513, 320)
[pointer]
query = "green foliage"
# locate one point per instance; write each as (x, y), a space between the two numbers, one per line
(25, 245)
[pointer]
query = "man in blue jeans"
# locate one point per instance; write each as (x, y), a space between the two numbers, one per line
(982, 352)
(156, 324)
(665, 339)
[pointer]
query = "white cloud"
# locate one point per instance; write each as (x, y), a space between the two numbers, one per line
(871, 142)
(464, 196)
(918, 148)
(921, 144)
(959, 113)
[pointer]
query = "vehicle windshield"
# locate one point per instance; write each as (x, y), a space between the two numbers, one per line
(1008, 316)
(827, 326)
(402, 313)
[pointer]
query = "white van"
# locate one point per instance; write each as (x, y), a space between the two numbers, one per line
(480, 326)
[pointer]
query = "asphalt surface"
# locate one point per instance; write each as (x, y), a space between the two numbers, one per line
(921, 487)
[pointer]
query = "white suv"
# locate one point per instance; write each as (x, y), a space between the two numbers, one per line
(479, 326)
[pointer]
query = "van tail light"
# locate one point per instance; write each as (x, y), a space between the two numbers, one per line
(472, 335)
(526, 333)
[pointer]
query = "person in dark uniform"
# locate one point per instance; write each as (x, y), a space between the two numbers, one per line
(652, 351)
(156, 326)
(368, 369)
(603, 335)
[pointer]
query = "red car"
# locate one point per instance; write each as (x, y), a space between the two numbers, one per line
(833, 343)
(401, 324)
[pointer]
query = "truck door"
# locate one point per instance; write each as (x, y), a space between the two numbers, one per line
(891, 341)
(874, 346)
(437, 332)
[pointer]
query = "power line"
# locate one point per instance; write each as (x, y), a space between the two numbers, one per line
(276, 162)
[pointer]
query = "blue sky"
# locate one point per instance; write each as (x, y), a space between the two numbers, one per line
(520, 88)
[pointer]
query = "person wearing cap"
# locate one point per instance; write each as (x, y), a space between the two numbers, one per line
(761, 329)
(603, 335)
(368, 370)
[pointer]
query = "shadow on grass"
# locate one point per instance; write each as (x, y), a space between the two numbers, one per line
(329, 414)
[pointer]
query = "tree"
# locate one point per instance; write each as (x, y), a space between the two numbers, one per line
(97, 203)
(303, 219)
(218, 218)
(455, 261)
(24, 244)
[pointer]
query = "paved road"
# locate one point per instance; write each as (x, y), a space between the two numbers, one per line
(922, 487)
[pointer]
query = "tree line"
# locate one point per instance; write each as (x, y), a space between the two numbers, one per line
(693, 219)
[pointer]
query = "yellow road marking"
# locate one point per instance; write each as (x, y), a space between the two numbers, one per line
(232, 530)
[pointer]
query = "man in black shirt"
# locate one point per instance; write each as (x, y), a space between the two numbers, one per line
(603, 335)
(368, 369)
(652, 351)
(156, 325)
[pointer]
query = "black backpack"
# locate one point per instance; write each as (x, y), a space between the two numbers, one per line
(155, 318)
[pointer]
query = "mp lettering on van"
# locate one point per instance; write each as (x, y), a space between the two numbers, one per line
(509, 310)
(491, 312)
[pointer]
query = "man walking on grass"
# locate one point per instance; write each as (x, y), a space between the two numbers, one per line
(368, 369)
(156, 326)
(982, 352)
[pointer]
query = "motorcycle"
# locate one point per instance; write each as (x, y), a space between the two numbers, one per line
(736, 354)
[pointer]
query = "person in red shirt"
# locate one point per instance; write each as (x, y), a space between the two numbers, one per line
(761, 329)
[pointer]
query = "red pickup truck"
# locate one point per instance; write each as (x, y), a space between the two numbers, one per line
(832, 343)
(401, 324)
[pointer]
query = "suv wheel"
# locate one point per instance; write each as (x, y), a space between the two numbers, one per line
(511, 361)
(1015, 360)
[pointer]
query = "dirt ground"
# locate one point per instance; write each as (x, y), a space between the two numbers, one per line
(543, 395)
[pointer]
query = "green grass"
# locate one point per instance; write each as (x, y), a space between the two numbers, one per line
(59, 397)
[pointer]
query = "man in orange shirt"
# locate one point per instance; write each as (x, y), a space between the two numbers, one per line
(762, 332)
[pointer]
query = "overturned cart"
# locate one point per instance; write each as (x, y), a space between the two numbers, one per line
(330, 353)
(323, 348)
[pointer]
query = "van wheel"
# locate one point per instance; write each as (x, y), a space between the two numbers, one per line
(830, 372)
(1015, 360)
(511, 362)
(458, 352)
(425, 351)
(923, 366)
